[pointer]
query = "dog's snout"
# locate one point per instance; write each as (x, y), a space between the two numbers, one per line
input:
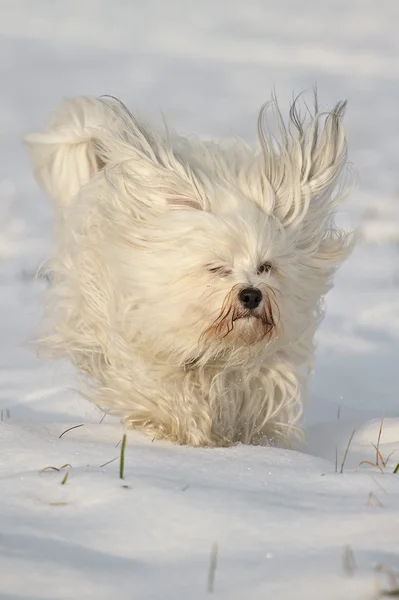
(250, 297)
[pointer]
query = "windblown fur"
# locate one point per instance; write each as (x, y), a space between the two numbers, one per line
(156, 238)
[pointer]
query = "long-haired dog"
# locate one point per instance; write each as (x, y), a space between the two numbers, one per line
(188, 277)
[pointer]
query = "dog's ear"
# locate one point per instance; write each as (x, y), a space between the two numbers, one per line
(64, 157)
(153, 185)
(302, 168)
(146, 166)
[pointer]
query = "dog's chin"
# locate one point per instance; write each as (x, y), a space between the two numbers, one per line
(245, 331)
(249, 330)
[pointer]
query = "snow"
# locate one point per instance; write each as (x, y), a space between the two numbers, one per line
(285, 523)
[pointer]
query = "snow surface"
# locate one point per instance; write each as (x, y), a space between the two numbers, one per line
(286, 525)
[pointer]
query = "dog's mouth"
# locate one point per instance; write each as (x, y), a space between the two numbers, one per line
(248, 327)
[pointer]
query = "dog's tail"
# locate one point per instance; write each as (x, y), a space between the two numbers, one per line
(64, 157)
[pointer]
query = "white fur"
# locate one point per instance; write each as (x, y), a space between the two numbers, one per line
(142, 218)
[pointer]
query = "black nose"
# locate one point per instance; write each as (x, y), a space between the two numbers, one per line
(250, 297)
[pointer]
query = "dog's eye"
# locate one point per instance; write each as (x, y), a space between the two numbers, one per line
(264, 268)
(222, 271)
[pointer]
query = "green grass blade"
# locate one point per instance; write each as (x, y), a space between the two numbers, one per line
(122, 459)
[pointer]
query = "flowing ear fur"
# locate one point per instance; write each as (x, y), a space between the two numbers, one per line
(301, 173)
(302, 167)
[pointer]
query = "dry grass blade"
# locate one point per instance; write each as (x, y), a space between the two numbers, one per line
(70, 429)
(109, 462)
(368, 462)
(212, 567)
(50, 468)
(389, 456)
(347, 450)
(383, 460)
(378, 456)
(396, 469)
(380, 462)
(378, 441)
(65, 479)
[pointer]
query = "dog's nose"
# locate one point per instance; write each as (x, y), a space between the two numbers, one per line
(250, 297)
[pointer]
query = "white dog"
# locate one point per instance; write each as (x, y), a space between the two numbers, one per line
(187, 278)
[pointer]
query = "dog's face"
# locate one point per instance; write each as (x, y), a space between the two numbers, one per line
(214, 280)
(211, 284)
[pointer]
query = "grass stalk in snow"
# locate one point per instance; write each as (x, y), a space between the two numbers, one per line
(51, 468)
(109, 462)
(63, 482)
(378, 455)
(122, 459)
(378, 440)
(70, 429)
(347, 450)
